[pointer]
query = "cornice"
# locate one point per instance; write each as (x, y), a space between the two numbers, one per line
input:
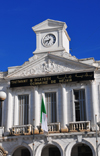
(52, 136)
(51, 24)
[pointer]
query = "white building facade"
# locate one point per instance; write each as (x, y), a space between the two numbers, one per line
(71, 92)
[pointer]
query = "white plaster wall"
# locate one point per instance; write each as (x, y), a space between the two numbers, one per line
(68, 103)
(62, 142)
(65, 42)
(68, 117)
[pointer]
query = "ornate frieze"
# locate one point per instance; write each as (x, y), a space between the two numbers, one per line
(3, 152)
(49, 66)
(3, 74)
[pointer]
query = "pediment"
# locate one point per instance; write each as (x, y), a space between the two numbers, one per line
(47, 65)
(49, 24)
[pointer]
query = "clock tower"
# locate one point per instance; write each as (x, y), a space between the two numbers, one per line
(51, 36)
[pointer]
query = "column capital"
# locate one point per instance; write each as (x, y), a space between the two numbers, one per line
(36, 87)
(63, 85)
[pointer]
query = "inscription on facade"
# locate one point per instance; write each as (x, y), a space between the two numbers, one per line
(65, 78)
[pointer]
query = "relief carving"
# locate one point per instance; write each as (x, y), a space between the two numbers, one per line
(3, 152)
(49, 66)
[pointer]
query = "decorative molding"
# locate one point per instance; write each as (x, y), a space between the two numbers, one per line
(79, 138)
(34, 57)
(3, 152)
(48, 66)
(22, 91)
(49, 139)
(68, 56)
(3, 74)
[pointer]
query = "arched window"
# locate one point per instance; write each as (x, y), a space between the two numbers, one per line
(51, 150)
(22, 151)
(81, 150)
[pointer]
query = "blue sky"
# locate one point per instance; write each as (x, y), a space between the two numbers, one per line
(18, 41)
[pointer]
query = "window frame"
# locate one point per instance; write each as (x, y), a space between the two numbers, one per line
(51, 107)
(73, 103)
(51, 91)
(21, 109)
(16, 103)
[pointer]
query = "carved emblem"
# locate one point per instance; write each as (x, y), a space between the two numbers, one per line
(79, 138)
(48, 66)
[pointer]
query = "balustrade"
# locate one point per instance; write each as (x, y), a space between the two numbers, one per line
(54, 127)
(79, 126)
(27, 129)
(23, 129)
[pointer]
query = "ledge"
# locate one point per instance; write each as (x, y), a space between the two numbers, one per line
(51, 135)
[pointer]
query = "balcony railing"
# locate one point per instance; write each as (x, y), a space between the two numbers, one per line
(21, 130)
(79, 126)
(27, 129)
(1, 131)
(54, 127)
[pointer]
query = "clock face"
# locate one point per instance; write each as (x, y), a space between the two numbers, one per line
(48, 40)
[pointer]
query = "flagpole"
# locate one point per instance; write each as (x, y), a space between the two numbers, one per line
(33, 138)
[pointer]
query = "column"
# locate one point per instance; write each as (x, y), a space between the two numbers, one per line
(94, 102)
(87, 101)
(64, 106)
(60, 38)
(38, 35)
(36, 107)
(16, 113)
(9, 110)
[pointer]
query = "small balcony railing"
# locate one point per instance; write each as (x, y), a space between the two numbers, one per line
(79, 126)
(21, 130)
(54, 127)
(28, 129)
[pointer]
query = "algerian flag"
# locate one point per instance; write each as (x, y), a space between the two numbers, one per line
(43, 118)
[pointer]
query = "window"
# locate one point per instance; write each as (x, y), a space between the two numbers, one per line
(79, 102)
(23, 109)
(51, 107)
(84, 150)
(0, 113)
(54, 152)
(25, 152)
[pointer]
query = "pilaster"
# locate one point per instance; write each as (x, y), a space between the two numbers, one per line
(60, 39)
(10, 110)
(38, 41)
(64, 109)
(36, 107)
(16, 110)
(94, 102)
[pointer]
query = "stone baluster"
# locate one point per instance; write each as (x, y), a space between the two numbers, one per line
(74, 126)
(82, 126)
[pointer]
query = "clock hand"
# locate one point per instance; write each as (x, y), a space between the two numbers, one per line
(47, 40)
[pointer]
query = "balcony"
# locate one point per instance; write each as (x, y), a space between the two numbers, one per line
(1, 131)
(28, 130)
(54, 127)
(79, 126)
(21, 130)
